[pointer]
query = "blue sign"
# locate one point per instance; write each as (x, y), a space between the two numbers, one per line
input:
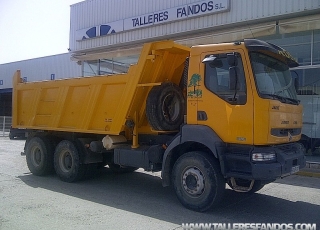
(53, 76)
(101, 30)
(168, 15)
(1, 82)
(25, 79)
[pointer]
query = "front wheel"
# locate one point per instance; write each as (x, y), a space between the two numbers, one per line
(197, 180)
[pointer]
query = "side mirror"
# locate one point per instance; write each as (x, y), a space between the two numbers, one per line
(233, 80)
(213, 61)
(232, 60)
(209, 59)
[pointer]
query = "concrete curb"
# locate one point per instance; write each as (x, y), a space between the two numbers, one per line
(312, 169)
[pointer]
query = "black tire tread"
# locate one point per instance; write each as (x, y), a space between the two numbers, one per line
(154, 111)
(44, 144)
(80, 169)
(213, 172)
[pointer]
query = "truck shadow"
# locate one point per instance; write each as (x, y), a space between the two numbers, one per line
(143, 194)
(311, 182)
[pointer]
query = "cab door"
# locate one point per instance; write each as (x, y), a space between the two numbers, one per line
(224, 96)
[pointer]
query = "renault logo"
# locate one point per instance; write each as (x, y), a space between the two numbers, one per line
(289, 136)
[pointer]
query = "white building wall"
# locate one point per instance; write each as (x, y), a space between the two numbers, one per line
(40, 69)
(242, 12)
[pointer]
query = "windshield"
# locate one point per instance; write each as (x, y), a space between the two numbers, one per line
(273, 78)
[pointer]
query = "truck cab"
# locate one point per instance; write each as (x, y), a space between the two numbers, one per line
(242, 106)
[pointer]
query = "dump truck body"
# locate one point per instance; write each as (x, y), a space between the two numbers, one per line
(204, 116)
(100, 104)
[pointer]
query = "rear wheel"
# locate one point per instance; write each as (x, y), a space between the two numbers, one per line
(67, 162)
(197, 180)
(39, 156)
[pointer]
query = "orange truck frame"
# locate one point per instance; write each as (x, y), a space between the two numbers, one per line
(205, 116)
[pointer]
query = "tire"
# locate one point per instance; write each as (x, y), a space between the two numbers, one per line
(197, 180)
(121, 169)
(165, 107)
(39, 156)
(67, 162)
(258, 184)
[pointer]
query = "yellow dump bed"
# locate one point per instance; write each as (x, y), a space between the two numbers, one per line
(99, 104)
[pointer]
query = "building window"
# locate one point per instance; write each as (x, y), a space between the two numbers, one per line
(298, 44)
(90, 68)
(309, 80)
(116, 65)
(316, 48)
(305, 47)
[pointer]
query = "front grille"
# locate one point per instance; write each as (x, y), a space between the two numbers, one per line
(285, 132)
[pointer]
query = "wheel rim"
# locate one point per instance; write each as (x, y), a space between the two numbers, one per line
(170, 107)
(193, 182)
(36, 156)
(66, 161)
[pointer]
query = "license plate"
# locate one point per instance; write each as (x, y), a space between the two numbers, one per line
(295, 169)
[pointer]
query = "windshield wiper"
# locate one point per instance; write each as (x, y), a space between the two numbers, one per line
(294, 101)
(274, 96)
(282, 99)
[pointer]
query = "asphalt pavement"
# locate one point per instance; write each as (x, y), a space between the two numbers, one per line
(136, 200)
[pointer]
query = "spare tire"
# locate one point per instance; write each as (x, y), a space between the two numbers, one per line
(165, 107)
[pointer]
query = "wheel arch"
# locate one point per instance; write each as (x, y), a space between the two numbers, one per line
(190, 138)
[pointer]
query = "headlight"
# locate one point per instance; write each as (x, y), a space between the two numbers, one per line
(263, 156)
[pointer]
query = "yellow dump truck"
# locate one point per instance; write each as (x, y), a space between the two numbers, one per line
(204, 116)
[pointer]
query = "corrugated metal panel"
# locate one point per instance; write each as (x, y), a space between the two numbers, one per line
(40, 69)
(96, 12)
(301, 24)
(230, 34)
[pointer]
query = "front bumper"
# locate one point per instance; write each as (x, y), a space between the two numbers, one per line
(290, 158)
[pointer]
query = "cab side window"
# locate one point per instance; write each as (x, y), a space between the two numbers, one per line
(224, 80)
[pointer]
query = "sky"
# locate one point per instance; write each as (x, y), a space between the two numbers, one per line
(33, 28)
